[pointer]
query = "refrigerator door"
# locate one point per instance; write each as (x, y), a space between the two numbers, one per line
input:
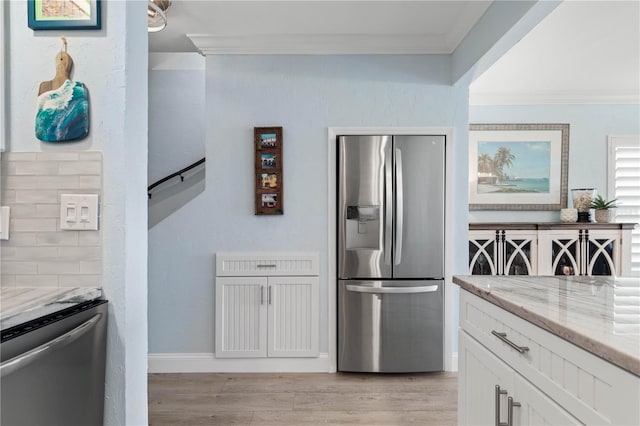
(364, 206)
(390, 326)
(419, 206)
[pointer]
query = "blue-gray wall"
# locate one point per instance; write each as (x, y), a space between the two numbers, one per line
(305, 95)
(589, 126)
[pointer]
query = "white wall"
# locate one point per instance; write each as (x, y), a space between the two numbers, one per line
(589, 126)
(305, 95)
(112, 63)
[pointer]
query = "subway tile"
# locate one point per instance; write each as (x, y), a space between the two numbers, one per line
(80, 281)
(89, 238)
(32, 225)
(21, 182)
(18, 239)
(8, 168)
(8, 196)
(48, 210)
(90, 182)
(58, 267)
(32, 253)
(37, 168)
(79, 168)
(62, 238)
(19, 156)
(26, 196)
(18, 267)
(91, 267)
(24, 210)
(79, 253)
(58, 182)
(7, 280)
(36, 280)
(90, 156)
(57, 156)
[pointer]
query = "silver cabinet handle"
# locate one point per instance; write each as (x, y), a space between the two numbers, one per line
(499, 392)
(503, 337)
(267, 266)
(388, 204)
(510, 405)
(39, 352)
(269, 295)
(262, 295)
(392, 290)
(399, 213)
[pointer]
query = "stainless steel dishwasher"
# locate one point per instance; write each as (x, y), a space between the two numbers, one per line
(52, 369)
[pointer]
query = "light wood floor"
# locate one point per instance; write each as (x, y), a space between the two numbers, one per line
(302, 399)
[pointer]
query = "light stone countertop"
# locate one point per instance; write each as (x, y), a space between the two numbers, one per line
(21, 304)
(598, 314)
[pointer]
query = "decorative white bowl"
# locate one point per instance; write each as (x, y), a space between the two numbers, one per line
(568, 215)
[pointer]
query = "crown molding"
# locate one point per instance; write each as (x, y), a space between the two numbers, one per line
(320, 44)
(555, 98)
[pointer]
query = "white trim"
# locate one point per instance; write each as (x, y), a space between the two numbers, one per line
(208, 363)
(3, 96)
(555, 98)
(320, 44)
(450, 364)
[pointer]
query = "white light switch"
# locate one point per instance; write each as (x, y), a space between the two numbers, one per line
(79, 212)
(4, 223)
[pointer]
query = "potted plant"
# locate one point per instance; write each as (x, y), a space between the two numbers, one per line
(602, 208)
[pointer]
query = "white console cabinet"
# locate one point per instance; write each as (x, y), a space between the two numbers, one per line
(267, 305)
(550, 249)
(529, 376)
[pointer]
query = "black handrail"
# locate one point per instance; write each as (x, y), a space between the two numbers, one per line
(176, 174)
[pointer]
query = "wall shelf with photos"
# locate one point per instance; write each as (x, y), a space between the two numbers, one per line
(268, 171)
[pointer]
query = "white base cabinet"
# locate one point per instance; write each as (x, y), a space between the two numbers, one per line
(550, 382)
(275, 314)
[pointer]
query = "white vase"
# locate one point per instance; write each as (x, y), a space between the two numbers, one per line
(603, 216)
(568, 215)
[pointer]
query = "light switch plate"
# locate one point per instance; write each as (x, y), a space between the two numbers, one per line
(4, 222)
(79, 212)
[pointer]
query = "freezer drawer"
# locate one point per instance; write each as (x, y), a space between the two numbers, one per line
(390, 326)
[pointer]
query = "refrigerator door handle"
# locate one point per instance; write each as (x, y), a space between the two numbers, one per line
(391, 290)
(388, 203)
(399, 212)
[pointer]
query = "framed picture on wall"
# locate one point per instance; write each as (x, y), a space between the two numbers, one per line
(518, 166)
(64, 14)
(268, 170)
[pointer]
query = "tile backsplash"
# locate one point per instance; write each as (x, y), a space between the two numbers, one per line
(38, 253)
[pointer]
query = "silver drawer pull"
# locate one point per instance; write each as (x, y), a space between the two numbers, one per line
(503, 337)
(392, 290)
(510, 404)
(498, 392)
(267, 266)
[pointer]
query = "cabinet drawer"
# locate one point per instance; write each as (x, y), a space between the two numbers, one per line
(590, 388)
(266, 264)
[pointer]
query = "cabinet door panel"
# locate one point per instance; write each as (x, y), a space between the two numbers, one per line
(293, 317)
(479, 371)
(536, 408)
(241, 313)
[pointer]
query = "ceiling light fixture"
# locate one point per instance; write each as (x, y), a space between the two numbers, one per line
(157, 15)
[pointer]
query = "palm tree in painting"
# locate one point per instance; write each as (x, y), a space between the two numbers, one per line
(485, 163)
(502, 158)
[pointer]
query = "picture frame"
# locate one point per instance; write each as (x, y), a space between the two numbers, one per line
(518, 166)
(64, 14)
(269, 189)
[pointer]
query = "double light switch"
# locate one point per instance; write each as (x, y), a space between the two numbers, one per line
(79, 212)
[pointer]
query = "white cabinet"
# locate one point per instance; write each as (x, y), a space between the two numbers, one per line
(550, 249)
(267, 305)
(549, 380)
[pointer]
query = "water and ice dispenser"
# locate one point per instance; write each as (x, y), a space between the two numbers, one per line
(363, 227)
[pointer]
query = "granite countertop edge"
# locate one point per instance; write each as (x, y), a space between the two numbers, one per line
(594, 346)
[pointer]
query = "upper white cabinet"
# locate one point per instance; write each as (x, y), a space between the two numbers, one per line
(267, 305)
(550, 249)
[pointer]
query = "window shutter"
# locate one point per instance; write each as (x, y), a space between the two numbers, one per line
(624, 184)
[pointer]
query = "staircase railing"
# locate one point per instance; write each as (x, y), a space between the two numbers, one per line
(179, 173)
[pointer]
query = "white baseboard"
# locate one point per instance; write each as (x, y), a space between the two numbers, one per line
(208, 363)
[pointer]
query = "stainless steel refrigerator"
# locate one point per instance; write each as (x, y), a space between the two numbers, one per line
(390, 253)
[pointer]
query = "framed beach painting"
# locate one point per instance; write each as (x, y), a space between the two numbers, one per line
(63, 14)
(518, 166)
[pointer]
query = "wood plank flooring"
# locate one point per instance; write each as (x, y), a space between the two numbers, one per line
(302, 399)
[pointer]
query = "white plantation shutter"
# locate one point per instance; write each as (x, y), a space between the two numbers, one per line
(624, 184)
